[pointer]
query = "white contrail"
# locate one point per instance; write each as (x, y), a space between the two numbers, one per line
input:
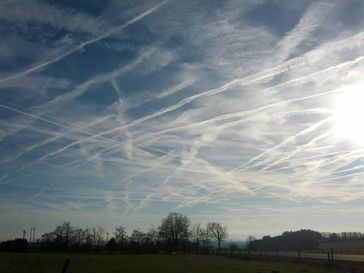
(128, 146)
(239, 114)
(101, 78)
(309, 22)
(82, 45)
(297, 150)
(80, 89)
(285, 141)
(186, 161)
(284, 84)
(225, 87)
(284, 159)
(42, 191)
(341, 156)
(299, 61)
(358, 167)
(336, 68)
(82, 130)
(56, 136)
(33, 116)
(209, 92)
(180, 86)
(60, 150)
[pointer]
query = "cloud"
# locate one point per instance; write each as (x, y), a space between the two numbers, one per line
(188, 81)
(22, 13)
(82, 45)
(308, 23)
(206, 112)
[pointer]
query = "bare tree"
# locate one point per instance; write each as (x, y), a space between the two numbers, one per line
(94, 235)
(100, 231)
(77, 237)
(217, 231)
(137, 238)
(86, 237)
(174, 229)
(153, 234)
(120, 236)
(196, 232)
(205, 239)
(67, 231)
(250, 242)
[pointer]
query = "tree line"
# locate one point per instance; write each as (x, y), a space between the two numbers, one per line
(342, 235)
(304, 239)
(174, 234)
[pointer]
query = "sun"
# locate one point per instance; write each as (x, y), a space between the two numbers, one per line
(349, 114)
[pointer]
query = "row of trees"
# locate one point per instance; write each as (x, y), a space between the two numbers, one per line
(174, 234)
(14, 245)
(342, 235)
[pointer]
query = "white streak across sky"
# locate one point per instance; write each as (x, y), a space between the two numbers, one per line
(117, 112)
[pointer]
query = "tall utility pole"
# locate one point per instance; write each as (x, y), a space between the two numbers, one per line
(24, 232)
(30, 235)
(33, 234)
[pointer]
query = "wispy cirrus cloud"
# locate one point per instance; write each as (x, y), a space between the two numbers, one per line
(214, 112)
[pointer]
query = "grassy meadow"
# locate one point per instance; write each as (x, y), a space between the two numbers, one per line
(104, 263)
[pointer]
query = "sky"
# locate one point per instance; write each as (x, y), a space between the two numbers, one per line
(244, 112)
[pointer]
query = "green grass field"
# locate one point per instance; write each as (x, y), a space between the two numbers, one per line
(82, 263)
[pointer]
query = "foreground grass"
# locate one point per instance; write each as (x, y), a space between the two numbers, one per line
(90, 263)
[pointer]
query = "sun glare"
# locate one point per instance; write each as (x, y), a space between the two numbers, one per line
(349, 114)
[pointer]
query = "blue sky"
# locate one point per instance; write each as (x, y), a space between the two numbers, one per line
(117, 112)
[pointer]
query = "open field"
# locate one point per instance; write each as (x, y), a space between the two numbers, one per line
(82, 263)
(306, 255)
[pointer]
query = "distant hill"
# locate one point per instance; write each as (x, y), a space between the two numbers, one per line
(289, 241)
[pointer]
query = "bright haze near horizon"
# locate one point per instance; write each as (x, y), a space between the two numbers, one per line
(249, 113)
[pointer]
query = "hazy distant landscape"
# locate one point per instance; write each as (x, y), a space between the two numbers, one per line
(177, 234)
(178, 245)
